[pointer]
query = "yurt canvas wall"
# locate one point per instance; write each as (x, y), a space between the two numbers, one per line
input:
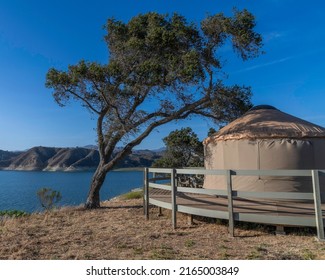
(263, 139)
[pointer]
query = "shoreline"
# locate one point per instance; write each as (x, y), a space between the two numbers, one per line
(79, 170)
(62, 207)
(20, 187)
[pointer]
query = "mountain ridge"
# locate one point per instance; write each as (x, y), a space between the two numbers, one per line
(68, 159)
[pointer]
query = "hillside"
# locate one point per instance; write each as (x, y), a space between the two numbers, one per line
(6, 158)
(67, 159)
(120, 231)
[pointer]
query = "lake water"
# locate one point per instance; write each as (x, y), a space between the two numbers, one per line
(18, 188)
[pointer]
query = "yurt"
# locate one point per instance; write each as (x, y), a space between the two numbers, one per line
(265, 139)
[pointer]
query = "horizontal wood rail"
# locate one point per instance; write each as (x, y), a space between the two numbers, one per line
(236, 205)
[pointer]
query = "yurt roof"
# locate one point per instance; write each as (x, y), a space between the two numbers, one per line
(263, 122)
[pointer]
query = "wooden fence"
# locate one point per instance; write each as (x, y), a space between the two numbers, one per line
(169, 184)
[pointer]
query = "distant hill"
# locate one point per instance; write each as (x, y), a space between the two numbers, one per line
(92, 147)
(6, 157)
(68, 159)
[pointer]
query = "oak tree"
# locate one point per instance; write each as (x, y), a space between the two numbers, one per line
(160, 68)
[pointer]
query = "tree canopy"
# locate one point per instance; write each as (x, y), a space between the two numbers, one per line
(183, 149)
(161, 68)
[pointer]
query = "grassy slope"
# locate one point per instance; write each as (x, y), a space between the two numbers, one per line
(119, 231)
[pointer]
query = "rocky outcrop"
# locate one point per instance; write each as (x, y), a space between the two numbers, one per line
(67, 159)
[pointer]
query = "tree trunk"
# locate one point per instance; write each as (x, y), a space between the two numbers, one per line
(93, 199)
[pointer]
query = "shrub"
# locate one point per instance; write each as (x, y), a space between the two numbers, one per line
(13, 213)
(48, 198)
(133, 195)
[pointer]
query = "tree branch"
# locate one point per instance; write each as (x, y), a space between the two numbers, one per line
(183, 113)
(84, 100)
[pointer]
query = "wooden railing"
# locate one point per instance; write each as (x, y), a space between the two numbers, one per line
(170, 175)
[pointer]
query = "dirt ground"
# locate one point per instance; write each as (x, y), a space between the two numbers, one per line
(119, 230)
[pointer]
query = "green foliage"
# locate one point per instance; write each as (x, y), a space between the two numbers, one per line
(211, 131)
(239, 28)
(48, 198)
(183, 149)
(13, 213)
(163, 50)
(133, 195)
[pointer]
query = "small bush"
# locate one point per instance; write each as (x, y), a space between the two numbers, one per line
(48, 198)
(133, 195)
(13, 213)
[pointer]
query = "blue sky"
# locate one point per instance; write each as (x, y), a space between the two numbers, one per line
(37, 35)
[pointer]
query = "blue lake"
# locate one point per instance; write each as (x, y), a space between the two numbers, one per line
(18, 188)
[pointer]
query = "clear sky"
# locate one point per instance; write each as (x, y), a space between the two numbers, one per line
(36, 35)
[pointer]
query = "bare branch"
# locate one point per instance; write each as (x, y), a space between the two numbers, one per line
(84, 100)
(180, 114)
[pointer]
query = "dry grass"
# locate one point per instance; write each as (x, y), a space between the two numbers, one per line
(120, 231)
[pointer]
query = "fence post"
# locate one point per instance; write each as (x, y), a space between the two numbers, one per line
(230, 203)
(318, 205)
(146, 193)
(154, 174)
(174, 207)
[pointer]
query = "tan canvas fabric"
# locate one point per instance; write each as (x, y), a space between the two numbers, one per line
(268, 123)
(242, 147)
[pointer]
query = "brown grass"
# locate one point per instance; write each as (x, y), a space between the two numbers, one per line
(119, 231)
